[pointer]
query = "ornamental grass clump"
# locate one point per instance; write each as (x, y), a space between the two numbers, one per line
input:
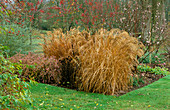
(101, 63)
(65, 48)
(107, 61)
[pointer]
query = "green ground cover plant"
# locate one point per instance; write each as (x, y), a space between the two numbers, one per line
(156, 70)
(146, 74)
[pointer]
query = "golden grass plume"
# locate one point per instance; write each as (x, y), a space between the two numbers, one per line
(103, 61)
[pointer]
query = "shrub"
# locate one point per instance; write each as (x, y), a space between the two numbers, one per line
(15, 37)
(156, 70)
(14, 93)
(101, 62)
(42, 68)
(4, 50)
(13, 34)
(154, 58)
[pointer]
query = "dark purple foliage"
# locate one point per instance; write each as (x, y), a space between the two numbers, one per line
(43, 69)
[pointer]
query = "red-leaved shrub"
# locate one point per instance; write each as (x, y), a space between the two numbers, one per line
(43, 69)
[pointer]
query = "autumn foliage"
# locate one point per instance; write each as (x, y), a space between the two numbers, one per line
(100, 63)
(43, 69)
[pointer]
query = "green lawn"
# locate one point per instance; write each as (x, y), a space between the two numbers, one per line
(36, 40)
(36, 47)
(155, 96)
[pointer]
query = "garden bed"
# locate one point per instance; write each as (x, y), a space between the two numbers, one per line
(144, 78)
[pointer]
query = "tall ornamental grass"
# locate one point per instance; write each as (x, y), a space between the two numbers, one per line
(100, 63)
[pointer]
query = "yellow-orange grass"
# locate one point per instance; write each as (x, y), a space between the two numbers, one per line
(63, 45)
(106, 59)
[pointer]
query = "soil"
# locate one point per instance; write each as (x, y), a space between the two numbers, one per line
(146, 79)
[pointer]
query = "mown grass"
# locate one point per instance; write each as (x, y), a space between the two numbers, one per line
(37, 48)
(155, 96)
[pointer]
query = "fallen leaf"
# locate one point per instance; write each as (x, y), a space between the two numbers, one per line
(42, 103)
